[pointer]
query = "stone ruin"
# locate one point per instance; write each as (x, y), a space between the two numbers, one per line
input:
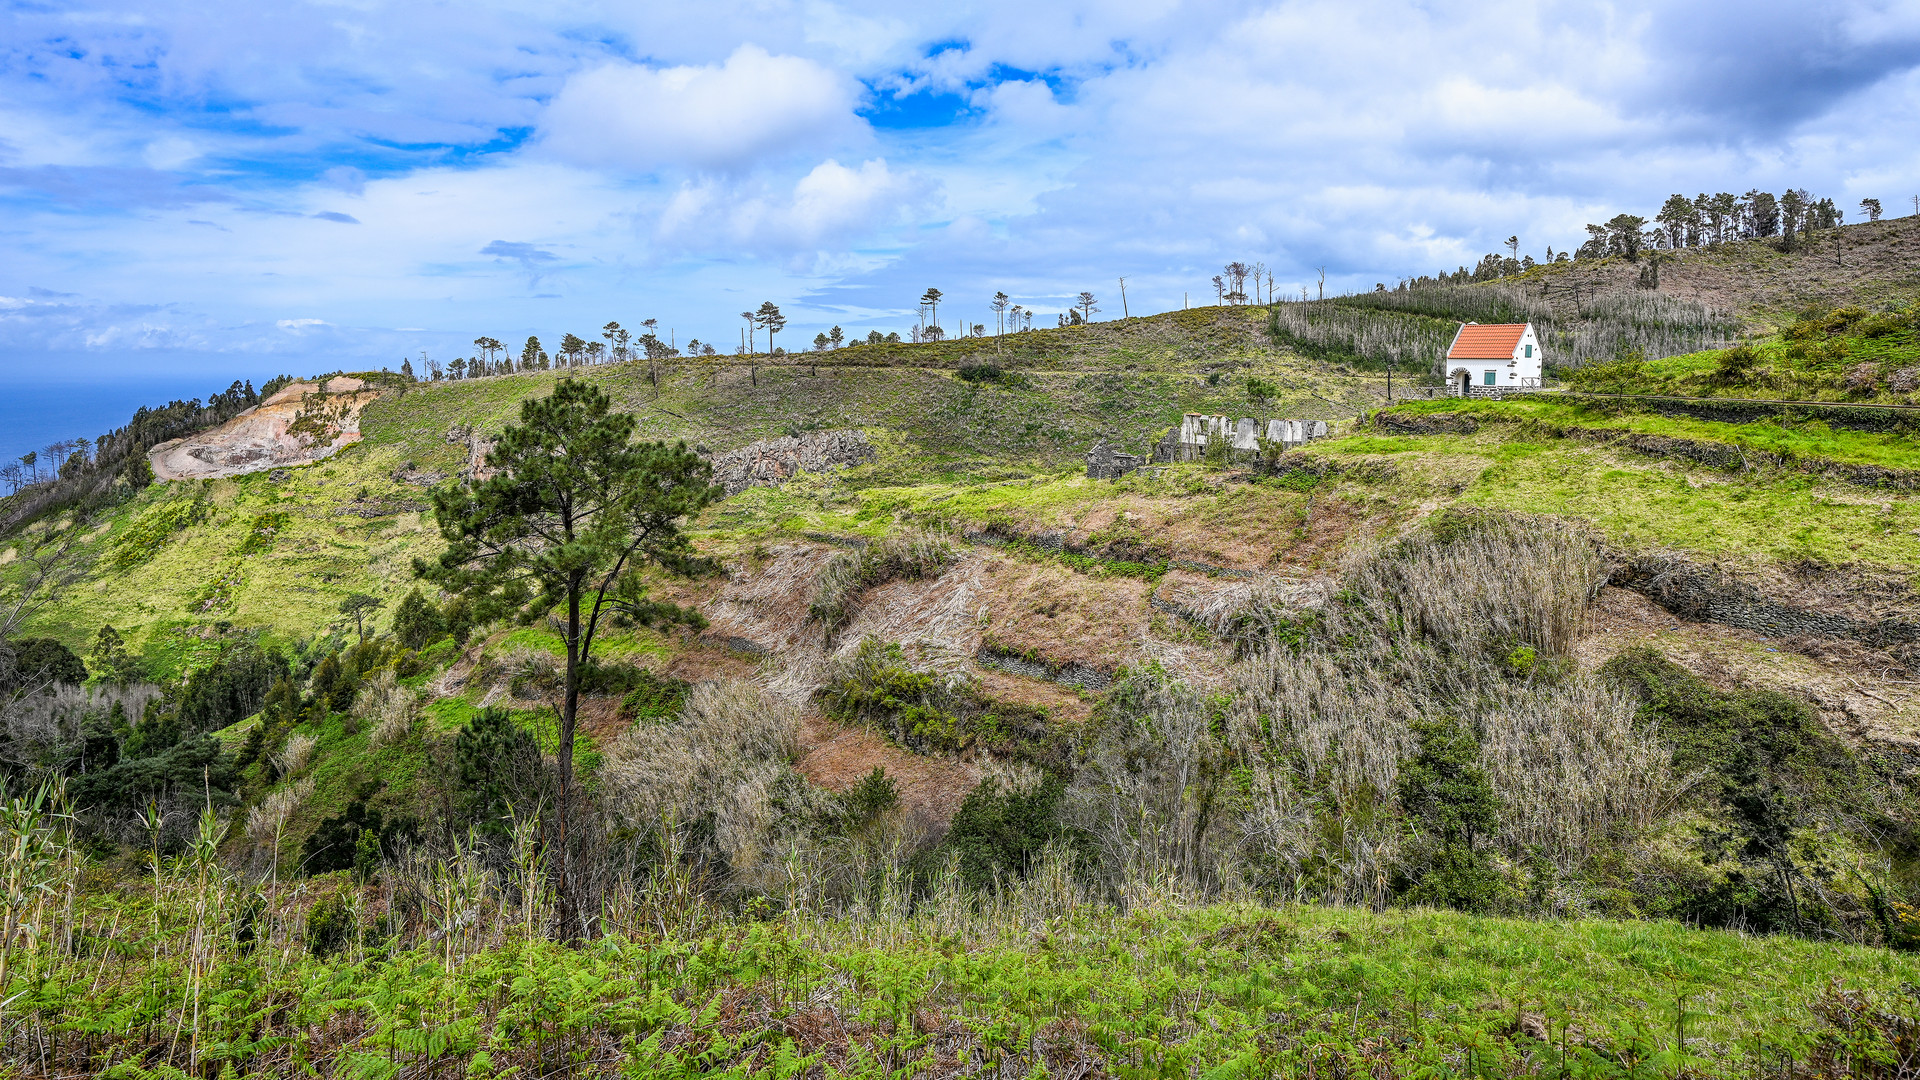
(771, 462)
(1196, 432)
(1106, 463)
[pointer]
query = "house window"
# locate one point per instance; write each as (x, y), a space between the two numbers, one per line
(1491, 377)
(1529, 352)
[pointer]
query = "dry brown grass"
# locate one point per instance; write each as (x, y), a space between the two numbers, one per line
(729, 756)
(907, 555)
(1064, 616)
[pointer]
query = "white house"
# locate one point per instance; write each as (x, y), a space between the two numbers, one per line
(1495, 359)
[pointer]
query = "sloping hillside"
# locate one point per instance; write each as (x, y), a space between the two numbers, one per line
(1868, 264)
(1557, 658)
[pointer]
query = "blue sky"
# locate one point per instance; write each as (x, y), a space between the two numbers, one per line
(231, 188)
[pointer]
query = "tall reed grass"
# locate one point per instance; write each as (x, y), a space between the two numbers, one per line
(1411, 329)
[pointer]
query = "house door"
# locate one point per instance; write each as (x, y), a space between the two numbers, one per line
(1466, 380)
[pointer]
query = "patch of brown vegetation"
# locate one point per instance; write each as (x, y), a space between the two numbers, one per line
(1849, 265)
(937, 620)
(1064, 616)
(767, 604)
(931, 788)
(1067, 706)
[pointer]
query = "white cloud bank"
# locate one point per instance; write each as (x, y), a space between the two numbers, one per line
(726, 116)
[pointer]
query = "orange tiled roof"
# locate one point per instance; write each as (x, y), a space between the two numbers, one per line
(1495, 341)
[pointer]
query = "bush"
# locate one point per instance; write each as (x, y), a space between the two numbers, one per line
(498, 770)
(146, 534)
(1734, 367)
(1445, 792)
(999, 830)
(873, 797)
(1766, 762)
(653, 698)
(330, 923)
(354, 839)
(33, 662)
(417, 623)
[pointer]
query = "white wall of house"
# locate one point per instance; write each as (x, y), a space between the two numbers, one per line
(1522, 369)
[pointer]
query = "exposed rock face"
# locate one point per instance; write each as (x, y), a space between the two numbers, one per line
(771, 462)
(478, 447)
(302, 423)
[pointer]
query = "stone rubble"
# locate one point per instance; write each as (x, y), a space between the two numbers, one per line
(772, 462)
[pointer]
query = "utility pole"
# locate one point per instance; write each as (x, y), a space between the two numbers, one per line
(1123, 298)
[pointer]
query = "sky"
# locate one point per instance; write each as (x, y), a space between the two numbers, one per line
(191, 193)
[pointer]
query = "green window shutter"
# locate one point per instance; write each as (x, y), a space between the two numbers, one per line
(1490, 378)
(1529, 352)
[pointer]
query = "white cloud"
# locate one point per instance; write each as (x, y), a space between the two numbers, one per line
(830, 204)
(716, 117)
(300, 324)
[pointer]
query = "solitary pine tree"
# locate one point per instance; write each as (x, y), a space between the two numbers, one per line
(573, 508)
(770, 317)
(931, 298)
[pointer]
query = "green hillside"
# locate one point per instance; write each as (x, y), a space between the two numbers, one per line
(1565, 729)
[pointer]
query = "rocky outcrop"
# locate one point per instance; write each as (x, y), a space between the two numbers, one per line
(478, 446)
(771, 462)
(304, 422)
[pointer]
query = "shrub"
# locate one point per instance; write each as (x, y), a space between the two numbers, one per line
(653, 698)
(979, 373)
(1445, 791)
(1733, 367)
(874, 796)
(1765, 760)
(352, 838)
(35, 662)
(417, 623)
(497, 770)
(145, 535)
(261, 534)
(1000, 829)
(331, 926)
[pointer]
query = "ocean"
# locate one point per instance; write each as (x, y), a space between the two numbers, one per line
(34, 414)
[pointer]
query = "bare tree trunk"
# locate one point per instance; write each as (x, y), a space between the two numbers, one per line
(570, 710)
